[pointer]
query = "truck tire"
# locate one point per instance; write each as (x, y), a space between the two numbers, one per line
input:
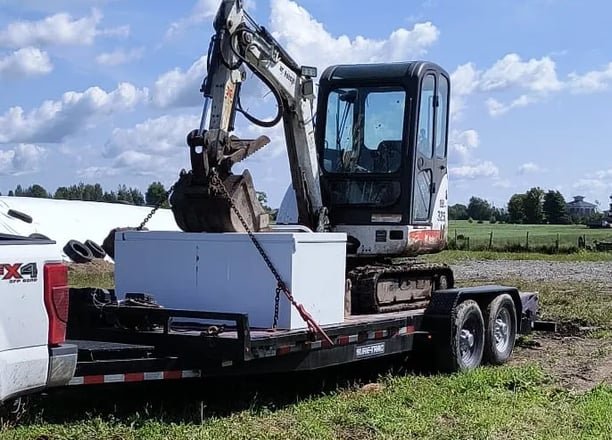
(12, 411)
(19, 215)
(500, 330)
(465, 349)
(95, 248)
(78, 252)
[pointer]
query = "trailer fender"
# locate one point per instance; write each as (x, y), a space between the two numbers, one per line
(440, 312)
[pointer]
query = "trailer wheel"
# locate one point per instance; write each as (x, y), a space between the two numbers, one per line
(500, 333)
(95, 248)
(465, 350)
(78, 252)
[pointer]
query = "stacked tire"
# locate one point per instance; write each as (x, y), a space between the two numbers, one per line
(84, 252)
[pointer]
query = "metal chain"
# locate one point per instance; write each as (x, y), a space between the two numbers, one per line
(276, 306)
(155, 208)
(217, 185)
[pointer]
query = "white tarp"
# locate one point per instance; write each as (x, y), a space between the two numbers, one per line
(64, 220)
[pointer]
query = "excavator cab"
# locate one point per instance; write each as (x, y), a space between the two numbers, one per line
(381, 136)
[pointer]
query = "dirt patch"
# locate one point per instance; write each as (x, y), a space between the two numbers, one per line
(93, 268)
(574, 362)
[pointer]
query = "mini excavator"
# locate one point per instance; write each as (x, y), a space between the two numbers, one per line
(368, 157)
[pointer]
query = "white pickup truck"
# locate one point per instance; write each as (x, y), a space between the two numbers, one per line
(33, 314)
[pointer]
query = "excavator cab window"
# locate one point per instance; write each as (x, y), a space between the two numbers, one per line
(381, 137)
(364, 130)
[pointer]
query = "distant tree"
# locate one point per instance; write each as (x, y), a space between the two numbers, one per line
(124, 194)
(11, 193)
(532, 206)
(61, 193)
(516, 211)
(263, 199)
(36, 191)
(555, 208)
(156, 193)
(109, 197)
(18, 191)
(458, 212)
(479, 209)
(137, 197)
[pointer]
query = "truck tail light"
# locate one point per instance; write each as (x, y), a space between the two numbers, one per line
(56, 301)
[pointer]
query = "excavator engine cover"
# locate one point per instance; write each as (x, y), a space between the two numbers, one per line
(202, 208)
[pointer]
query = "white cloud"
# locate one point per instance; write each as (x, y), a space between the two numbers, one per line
(203, 10)
(537, 75)
(22, 159)
(529, 168)
(300, 33)
(58, 29)
(132, 163)
(535, 80)
(603, 174)
(463, 142)
(54, 120)
(119, 56)
(481, 169)
(178, 88)
(591, 82)
(164, 136)
(28, 61)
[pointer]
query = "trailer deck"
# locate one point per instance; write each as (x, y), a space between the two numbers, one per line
(125, 343)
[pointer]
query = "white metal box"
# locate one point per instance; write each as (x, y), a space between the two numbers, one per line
(226, 273)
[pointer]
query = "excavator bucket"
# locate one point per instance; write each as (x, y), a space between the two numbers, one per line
(203, 208)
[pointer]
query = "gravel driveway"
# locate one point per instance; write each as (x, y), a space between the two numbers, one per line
(492, 270)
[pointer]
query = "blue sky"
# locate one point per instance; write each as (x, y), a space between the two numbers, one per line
(106, 90)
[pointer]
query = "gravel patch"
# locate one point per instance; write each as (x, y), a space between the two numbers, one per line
(577, 271)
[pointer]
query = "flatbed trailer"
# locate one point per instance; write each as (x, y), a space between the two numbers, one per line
(122, 342)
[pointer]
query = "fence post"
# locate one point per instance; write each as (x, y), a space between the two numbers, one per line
(527, 241)
(490, 239)
(557, 243)
(468, 243)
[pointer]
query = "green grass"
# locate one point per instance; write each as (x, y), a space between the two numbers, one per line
(105, 280)
(489, 403)
(579, 304)
(510, 402)
(512, 234)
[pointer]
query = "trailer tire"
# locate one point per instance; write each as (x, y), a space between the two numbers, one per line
(465, 349)
(78, 252)
(500, 330)
(95, 248)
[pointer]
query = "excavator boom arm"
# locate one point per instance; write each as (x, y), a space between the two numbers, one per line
(238, 42)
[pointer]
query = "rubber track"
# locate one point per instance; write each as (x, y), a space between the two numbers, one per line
(365, 278)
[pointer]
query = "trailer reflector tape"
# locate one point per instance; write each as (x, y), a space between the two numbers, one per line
(135, 377)
(362, 337)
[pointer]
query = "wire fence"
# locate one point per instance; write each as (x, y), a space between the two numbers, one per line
(529, 241)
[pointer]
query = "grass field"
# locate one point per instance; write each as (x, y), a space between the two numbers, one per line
(551, 390)
(509, 235)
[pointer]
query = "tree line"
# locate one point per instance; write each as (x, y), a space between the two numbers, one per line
(156, 194)
(535, 206)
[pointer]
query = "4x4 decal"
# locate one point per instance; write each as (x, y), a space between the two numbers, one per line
(18, 272)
